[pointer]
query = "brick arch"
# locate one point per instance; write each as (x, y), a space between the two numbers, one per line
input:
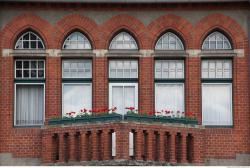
(25, 22)
(223, 23)
(72, 22)
(176, 24)
(124, 22)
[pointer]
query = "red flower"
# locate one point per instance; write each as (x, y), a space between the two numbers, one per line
(151, 113)
(130, 108)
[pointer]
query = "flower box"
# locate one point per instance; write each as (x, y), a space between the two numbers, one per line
(86, 119)
(162, 119)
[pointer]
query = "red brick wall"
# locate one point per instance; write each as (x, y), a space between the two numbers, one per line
(218, 142)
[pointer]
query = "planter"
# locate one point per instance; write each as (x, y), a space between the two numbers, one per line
(86, 119)
(149, 119)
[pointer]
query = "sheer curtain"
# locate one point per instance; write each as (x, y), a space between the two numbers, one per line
(29, 105)
(76, 97)
(122, 97)
(217, 104)
(169, 97)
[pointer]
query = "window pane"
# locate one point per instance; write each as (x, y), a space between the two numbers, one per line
(216, 69)
(76, 97)
(117, 99)
(169, 97)
(76, 40)
(123, 41)
(29, 105)
(123, 95)
(77, 69)
(30, 69)
(169, 41)
(173, 69)
(217, 104)
(123, 69)
(216, 41)
(29, 40)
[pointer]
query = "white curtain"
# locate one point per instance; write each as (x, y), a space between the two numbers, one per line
(123, 96)
(29, 105)
(76, 97)
(217, 104)
(169, 96)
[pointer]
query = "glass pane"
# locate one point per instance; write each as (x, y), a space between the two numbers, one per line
(216, 104)
(29, 105)
(76, 97)
(26, 44)
(216, 40)
(19, 64)
(123, 41)
(26, 73)
(18, 73)
(170, 97)
(33, 64)
(40, 73)
(33, 73)
(117, 99)
(33, 44)
(169, 41)
(40, 64)
(129, 96)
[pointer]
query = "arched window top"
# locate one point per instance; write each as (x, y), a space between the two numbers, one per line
(169, 41)
(216, 41)
(29, 40)
(77, 40)
(123, 41)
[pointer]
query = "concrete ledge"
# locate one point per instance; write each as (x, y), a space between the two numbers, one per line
(6, 159)
(240, 160)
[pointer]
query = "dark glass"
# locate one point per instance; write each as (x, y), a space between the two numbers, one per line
(26, 64)
(40, 73)
(40, 64)
(33, 73)
(26, 73)
(18, 64)
(32, 37)
(33, 44)
(40, 45)
(33, 64)
(26, 37)
(26, 44)
(18, 73)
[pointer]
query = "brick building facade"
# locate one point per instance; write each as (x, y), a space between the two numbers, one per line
(207, 44)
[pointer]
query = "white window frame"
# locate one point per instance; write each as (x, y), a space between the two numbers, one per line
(167, 35)
(37, 40)
(224, 38)
(169, 61)
(123, 85)
(77, 33)
(231, 105)
(169, 83)
(124, 33)
(91, 69)
(31, 78)
(89, 84)
(124, 60)
(44, 93)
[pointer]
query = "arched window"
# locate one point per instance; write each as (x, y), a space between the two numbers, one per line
(169, 41)
(29, 40)
(76, 40)
(216, 41)
(123, 41)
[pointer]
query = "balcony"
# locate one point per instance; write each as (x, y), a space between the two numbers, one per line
(123, 139)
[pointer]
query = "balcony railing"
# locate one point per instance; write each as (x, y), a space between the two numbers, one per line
(123, 140)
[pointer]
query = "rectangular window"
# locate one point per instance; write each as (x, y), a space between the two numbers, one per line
(76, 86)
(29, 105)
(123, 69)
(122, 95)
(169, 69)
(169, 96)
(29, 96)
(217, 104)
(29, 69)
(217, 92)
(77, 68)
(76, 97)
(169, 87)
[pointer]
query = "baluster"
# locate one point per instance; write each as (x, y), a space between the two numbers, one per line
(184, 148)
(84, 146)
(139, 144)
(173, 148)
(162, 146)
